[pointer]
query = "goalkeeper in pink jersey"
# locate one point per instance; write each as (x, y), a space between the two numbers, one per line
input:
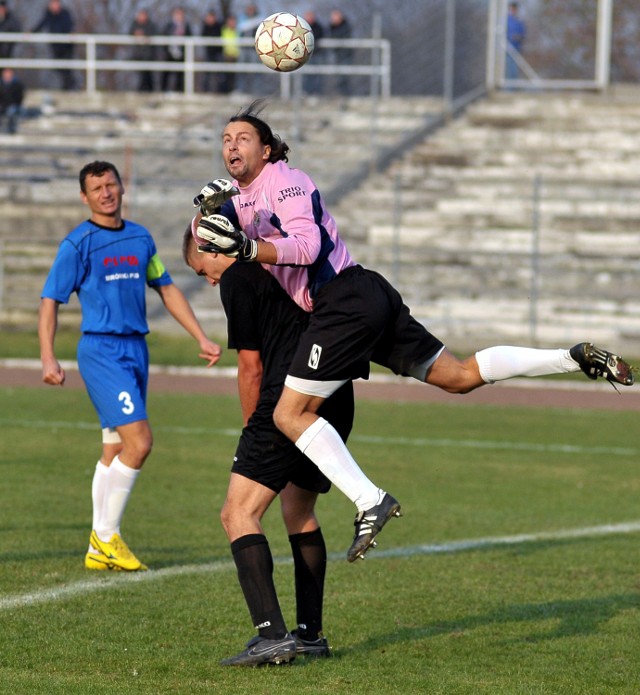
(274, 214)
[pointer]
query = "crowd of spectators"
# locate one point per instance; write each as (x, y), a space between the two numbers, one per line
(59, 19)
(8, 24)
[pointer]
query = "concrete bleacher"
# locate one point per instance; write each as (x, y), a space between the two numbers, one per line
(461, 249)
(449, 221)
(166, 147)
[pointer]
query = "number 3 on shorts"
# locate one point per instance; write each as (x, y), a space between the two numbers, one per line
(128, 406)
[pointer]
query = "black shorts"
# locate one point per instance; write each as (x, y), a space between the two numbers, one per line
(266, 456)
(358, 318)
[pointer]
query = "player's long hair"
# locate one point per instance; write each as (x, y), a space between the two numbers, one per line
(279, 148)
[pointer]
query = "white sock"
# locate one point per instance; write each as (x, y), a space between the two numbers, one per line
(505, 362)
(98, 486)
(323, 445)
(97, 491)
(119, 484)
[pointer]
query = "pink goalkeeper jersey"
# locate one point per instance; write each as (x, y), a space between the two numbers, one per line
(283, 206)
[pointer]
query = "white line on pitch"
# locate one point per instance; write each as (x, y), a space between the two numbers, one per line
(496, 542)
(112, 580)
(107, 580)
(363, 438)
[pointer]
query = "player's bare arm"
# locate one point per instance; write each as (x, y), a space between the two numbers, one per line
(52, 372)
(178, 306)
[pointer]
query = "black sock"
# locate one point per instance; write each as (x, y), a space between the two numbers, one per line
(310, 563)
(254, 563)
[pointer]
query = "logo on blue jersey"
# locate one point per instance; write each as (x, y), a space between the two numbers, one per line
(109, 261)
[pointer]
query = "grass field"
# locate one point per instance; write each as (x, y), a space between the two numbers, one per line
(514, 569)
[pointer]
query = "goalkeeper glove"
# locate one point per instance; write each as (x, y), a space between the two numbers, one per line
(222, 237)
(213, 195)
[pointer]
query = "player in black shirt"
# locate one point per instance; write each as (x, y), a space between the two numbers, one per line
(264, 326)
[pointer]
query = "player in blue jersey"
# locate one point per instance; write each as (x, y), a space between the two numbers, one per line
(108, 262)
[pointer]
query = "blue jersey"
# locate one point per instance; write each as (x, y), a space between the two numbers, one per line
(516, 31)
(109, 270)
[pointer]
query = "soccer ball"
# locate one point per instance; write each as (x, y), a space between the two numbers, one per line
(284, 42)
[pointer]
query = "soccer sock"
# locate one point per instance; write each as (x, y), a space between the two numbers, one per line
(119, 484)
(254, 563)
(98, 486)
(323, 445)
(310, 564)
(505, 362)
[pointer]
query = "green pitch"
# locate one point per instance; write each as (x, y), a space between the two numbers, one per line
(513, 571)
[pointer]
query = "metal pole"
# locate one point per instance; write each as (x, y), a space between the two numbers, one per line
(285, 86)
(535, 260)
(91, 66)
(491, 44)
(499, 29)
(375, 91)
(386, 69)
(189, 61)
(376, 55)
(397, 224)
(603, 43)
(296, 105)
(449, 60)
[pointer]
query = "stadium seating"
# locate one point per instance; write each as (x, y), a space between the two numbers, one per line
(470, 196)
(449, 221)
(166, 147)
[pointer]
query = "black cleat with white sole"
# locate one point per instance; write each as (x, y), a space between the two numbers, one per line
(595, 362)
(369, 524)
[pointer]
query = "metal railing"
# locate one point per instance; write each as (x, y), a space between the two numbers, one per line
(378, 68)
(499, 51)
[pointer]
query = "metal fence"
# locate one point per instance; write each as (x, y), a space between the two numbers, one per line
(105, 61)
(553, 258)
(540, 66)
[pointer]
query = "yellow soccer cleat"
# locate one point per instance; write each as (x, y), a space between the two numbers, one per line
(117, 552)
(98, 561)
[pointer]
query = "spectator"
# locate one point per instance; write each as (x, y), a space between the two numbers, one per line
(8, 23)
(230, 52)
(177, 26)
(247, 30)
(312, 84)
(58, 20)
(516, 32)
(143, 27)
(340, 28)
(11, 98)
(211, 29)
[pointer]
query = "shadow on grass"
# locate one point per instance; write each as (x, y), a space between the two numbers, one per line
(570, 618)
